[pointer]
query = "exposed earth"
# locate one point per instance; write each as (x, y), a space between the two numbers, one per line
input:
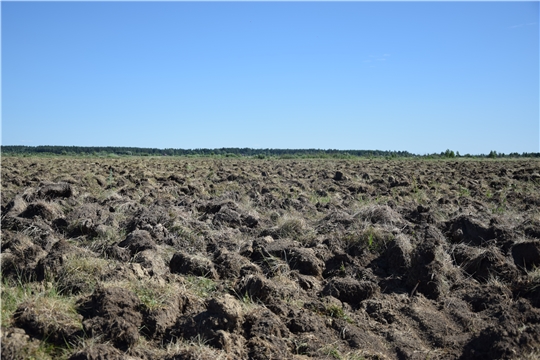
(179, 258)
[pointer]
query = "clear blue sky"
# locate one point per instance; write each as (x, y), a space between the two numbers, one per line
(415, 76)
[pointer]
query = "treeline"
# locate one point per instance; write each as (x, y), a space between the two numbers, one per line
(222, 152)
(112, 151)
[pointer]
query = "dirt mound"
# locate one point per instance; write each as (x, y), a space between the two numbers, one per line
(15, 207)
(137, 241)
(48, 191)
(45, 320)
(42, 209)
(85, 219)
(502, 339)
(54, 190)
(20, 255)
(350, 291)
(114, 314)
(527, 254)
(182, 263)
(468, 230)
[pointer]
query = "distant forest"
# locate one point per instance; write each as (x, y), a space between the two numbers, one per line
(111, 151)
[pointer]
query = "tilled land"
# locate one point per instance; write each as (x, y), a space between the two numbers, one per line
(178, 258)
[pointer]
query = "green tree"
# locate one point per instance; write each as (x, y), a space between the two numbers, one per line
(449, 154)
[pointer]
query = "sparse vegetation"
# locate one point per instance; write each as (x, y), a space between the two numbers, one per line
(337, 312)
(81, 273)
(201, 286)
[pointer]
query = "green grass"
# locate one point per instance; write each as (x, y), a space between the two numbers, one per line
(500, 208)
(13, 294)
(43, 350)
(463, 191)
(331, 351)
(154, 295)
(342, 270)
(81, 273)
(55, 311)
(323, 200)
(337, 312)
(372, 238)
(201, 286)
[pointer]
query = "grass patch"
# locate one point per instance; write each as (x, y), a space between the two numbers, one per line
(201, 286)
(196, 347)
(533, 279)
(337, 312)
(54, 312)
(154, 295)
(292, 227)
(317, 199)
(372, 239)
(464, 192)
(81, 274)
(189, 240)
(15, 292)
(331, 351)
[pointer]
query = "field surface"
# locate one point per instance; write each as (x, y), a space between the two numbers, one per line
(175, 258)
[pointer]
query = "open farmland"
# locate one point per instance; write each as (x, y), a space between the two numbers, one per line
(175, 258)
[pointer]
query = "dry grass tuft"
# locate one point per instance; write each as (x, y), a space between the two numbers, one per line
(379, 214)
(291, 226)
(81, 273)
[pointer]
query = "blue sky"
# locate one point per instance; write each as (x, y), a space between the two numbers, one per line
(417, 76)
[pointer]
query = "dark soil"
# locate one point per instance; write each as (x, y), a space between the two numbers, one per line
(155, 258)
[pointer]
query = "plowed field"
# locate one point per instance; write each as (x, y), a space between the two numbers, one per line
(177, 258)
